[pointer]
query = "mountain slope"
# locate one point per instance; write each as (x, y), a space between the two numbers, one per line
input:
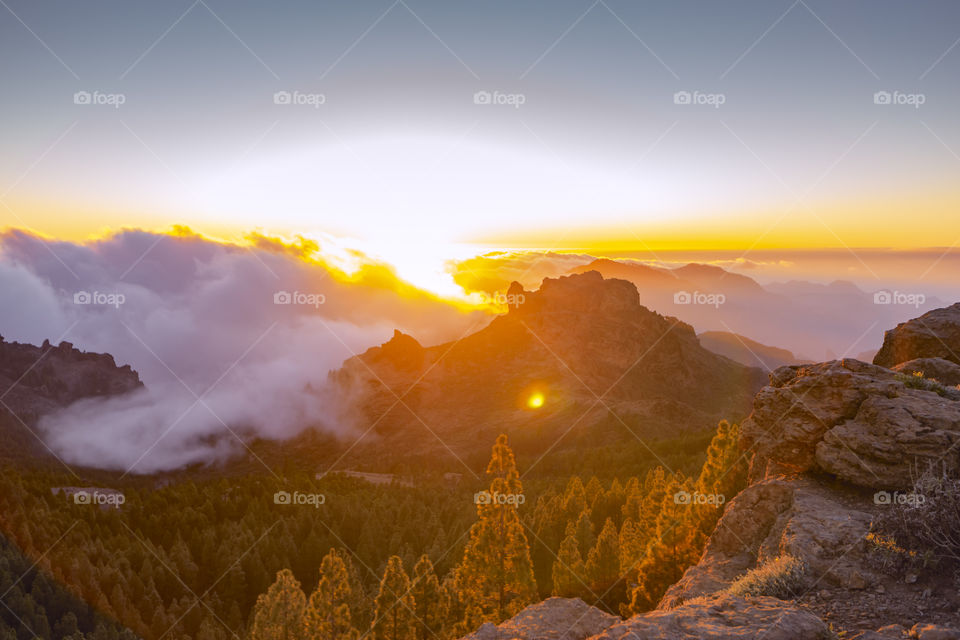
(746, 351)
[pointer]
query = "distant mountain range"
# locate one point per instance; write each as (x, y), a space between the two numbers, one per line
(812, 320)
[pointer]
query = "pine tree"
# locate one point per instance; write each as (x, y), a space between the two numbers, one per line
(393, 617)
(568, 569)
(496, 573)
(327, 615)
(671, 550)
(724, 473)
(603, 562)
(428, 600)
(278, 614)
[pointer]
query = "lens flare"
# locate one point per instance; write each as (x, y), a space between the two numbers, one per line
(536, 401)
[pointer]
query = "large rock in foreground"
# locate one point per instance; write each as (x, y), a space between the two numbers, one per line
(723, 618)
(860, 422)
(552, 619)
(935, 334)
(822, 526)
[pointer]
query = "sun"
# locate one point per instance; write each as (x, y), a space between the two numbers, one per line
(536, 401)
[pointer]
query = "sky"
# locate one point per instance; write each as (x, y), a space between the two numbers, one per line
(420, 130)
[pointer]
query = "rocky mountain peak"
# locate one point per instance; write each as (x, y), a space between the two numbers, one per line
(586, 292)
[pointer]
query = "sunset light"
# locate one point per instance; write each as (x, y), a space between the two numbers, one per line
(441, 320)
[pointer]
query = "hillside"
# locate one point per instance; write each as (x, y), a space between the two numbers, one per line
(746, 351)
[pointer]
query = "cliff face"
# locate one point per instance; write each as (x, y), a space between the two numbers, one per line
(582, 343)
(37, 380)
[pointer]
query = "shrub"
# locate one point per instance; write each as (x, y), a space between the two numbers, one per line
(928, 525)
(781, 577)
(918, 381)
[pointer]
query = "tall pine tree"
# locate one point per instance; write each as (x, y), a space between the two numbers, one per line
(496, 573)
(393, 617)
(278, 614)
(327, 615)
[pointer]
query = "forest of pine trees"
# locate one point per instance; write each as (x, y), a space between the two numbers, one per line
(218, 559)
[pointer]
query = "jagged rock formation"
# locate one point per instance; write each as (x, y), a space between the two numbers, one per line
(935, 334)
(584, 342)
(38, 380)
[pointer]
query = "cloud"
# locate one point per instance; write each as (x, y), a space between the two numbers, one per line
(222, 361)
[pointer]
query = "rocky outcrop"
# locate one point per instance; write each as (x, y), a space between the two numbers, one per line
(935, 334)
(857, 421)
(552, 619)
(943, 371)
(35, 381)
(583, 343)
(725, 617)
(797, 516)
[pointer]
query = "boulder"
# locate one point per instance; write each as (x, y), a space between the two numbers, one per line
(801, 517)
(724, 617)
(935, 334)
(552, 619)
(860, 422)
